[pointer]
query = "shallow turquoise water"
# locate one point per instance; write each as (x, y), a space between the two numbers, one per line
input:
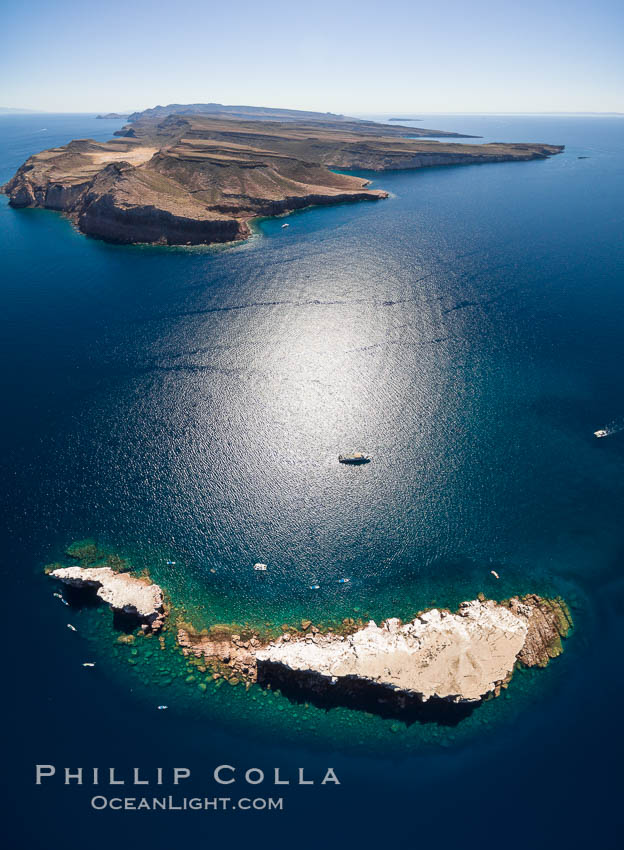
(189, 405)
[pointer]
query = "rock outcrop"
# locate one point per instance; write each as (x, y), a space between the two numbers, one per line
(549, 621)
(230, 655)
(200, 179)
(459, 658)
(126, 594)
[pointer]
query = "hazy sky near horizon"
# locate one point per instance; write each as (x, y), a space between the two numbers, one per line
(342, 56)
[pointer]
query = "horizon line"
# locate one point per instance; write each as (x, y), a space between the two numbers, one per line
(28, 111)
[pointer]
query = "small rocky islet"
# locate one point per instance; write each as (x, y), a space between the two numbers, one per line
(439, 658)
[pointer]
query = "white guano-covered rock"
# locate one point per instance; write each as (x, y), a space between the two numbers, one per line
(125, 593)
(459, 657)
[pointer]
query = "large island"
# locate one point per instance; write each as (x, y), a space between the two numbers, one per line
(185, 175)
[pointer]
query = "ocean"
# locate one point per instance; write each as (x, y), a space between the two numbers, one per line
(189, 404)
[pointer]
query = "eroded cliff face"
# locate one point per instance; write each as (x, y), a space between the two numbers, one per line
(402, 160)
(199, 180)
(30, 189)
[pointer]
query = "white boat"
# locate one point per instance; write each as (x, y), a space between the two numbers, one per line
(343, 581)
(285, 225)
(162, 707)
(73, 628)
(601, 433)
(495, 574)
(88, 664)
(260, 567)
(354, 458)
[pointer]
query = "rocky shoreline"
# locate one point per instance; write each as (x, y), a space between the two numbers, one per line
(188, 179)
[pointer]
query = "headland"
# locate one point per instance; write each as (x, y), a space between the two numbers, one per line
(178, 175)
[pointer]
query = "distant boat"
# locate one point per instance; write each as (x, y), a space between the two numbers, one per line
(162, 707)
(285, 225)
(315, 586)
(73, 628)
(601, 433)
(170, 563)
(261, 568)
(495, 574)
(88, 664)
(344, 580)
(355, 458)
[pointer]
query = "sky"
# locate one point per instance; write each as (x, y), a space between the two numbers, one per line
(404, 56)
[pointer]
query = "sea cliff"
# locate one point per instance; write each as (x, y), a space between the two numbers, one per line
(198, 179)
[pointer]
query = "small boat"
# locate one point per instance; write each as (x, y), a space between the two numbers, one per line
(315, 586)
(344, 580)
(170, 563)
(162, 707)
(88, 664)
(495, 574)
(285, 225)
(601, 433)
(261, 568)
(355, 458)
(61, 597)
(73, 628)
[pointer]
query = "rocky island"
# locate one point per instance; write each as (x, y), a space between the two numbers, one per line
(186, 175)
(263, 113)
(129, 595)
(438, 657)
(460, 657)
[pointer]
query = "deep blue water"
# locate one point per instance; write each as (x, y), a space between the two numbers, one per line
(190, 403)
